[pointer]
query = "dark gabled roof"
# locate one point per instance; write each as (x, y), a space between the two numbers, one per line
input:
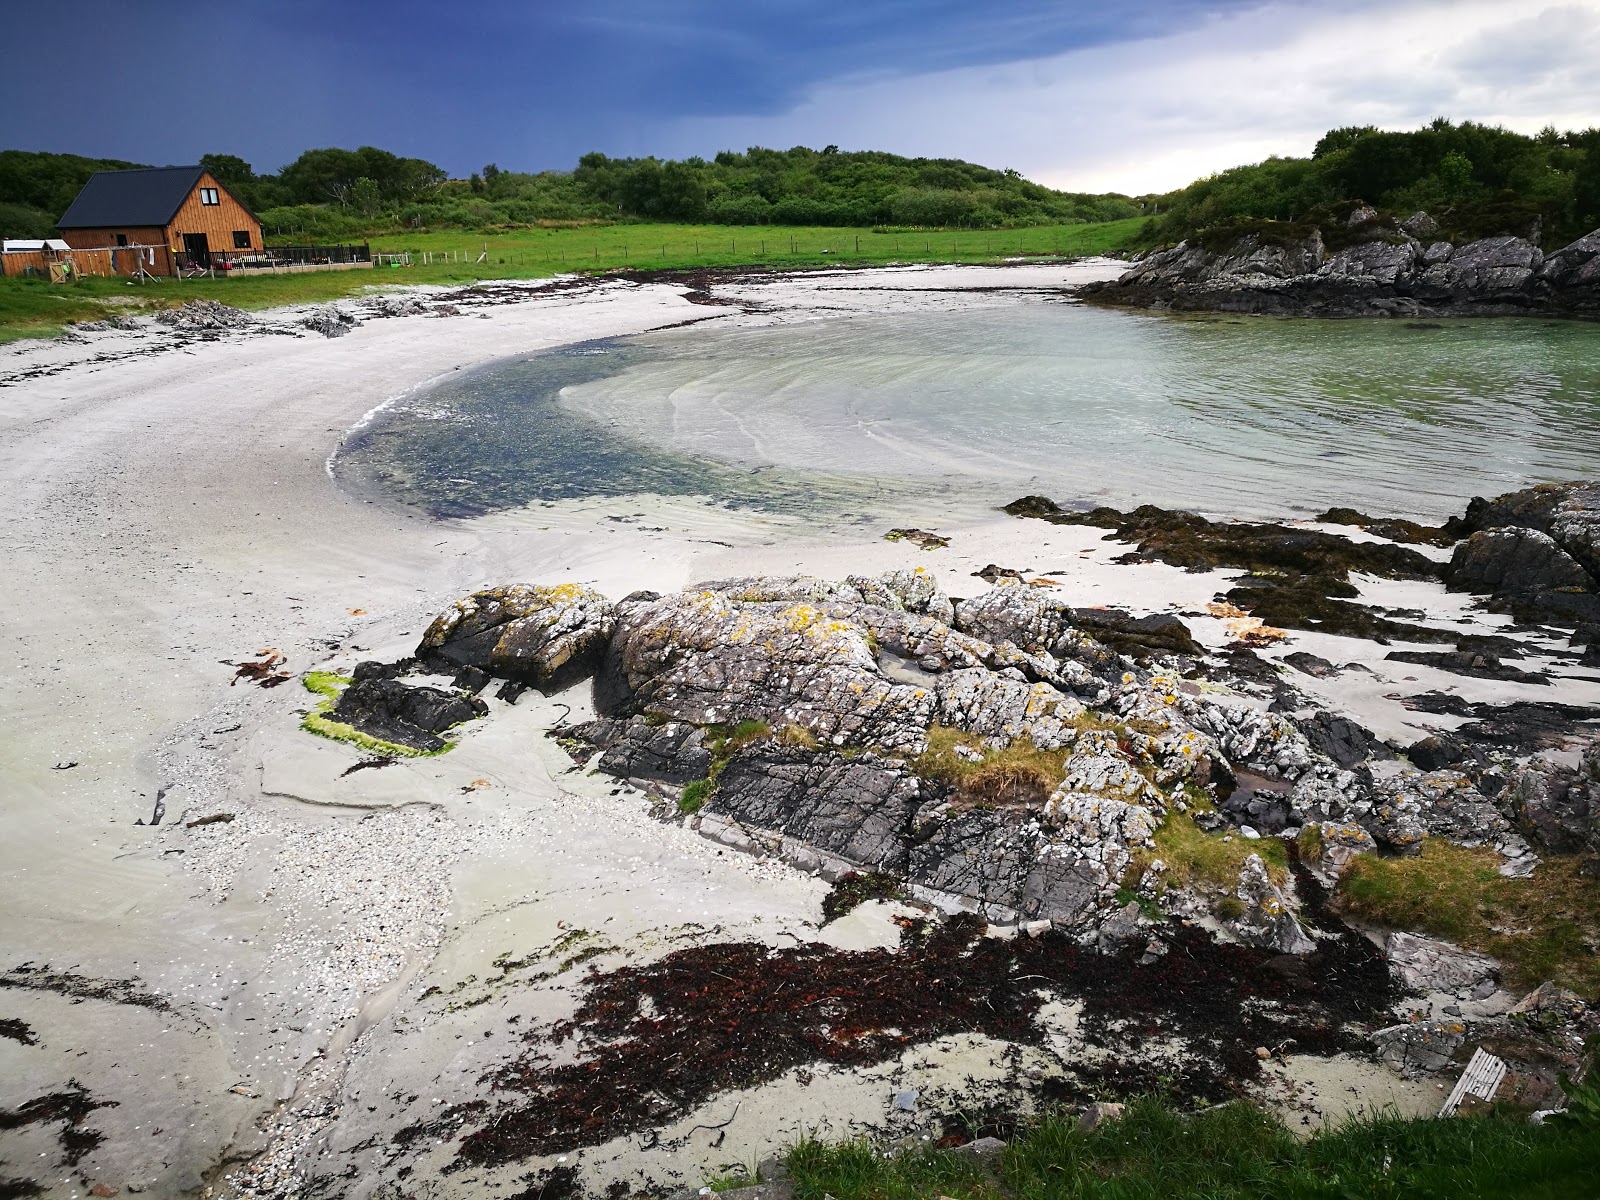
(149, 196)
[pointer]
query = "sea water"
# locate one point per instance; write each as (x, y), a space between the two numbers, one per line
(865, 416)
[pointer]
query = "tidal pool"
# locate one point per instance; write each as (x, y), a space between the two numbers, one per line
(856, 417)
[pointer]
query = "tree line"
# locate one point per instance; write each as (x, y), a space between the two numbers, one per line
(336, 193)
(1475, 180)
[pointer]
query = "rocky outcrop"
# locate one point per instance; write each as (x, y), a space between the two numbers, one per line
(1535, 553)
(543, 637)
(1559, 807)
(404, 713)
(1377, 268)
(1411, 806)
(1426, 965)
(1267, 920)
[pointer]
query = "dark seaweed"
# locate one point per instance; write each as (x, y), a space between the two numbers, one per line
(18, 1031)
(72, 1107)
(855, 888)
(654, 1041)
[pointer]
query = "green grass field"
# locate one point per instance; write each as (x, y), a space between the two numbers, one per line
(33, 308)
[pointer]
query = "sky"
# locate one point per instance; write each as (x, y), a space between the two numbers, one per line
(1133, 96)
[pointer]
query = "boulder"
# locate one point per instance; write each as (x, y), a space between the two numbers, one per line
(665, 753)
(1419, 1047)
(543, 637)
(1425, 965)
(1341, 842)
(1267, 920)
(1512, 560)
(1099, 1113)
(1420, 226)
(404, 714)
(1559, 807)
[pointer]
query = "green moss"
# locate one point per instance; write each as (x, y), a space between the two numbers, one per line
(328, 685)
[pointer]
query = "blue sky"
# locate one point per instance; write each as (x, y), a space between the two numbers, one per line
(1127, 94)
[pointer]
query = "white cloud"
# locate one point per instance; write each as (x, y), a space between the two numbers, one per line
(1155, 114)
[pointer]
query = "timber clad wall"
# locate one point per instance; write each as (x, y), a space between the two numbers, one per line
(124, 261)
(217, 221)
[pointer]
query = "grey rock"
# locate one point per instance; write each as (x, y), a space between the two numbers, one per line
(1575, 525)
(1426, 965)
(1418, 1047)
(405, 714)
(1099, 1113)
(329, 321)
(1511, 560)
(1411, 806)
(1346, 742)
(1420, 226)
(1267, 920)
(1341, 842)
(721, 657)
(1381, 263)
(906, 1099)
(203, 315)
(672, 752)
(1122, 926)
(1386, 272)
(864, 810)
(985, 1149)
(544, 637)
(1559, 807)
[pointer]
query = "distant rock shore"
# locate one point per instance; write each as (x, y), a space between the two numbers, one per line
(1371, 267)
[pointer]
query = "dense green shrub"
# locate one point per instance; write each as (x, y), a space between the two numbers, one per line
(1477, 180)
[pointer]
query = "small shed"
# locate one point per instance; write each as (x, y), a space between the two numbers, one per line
(47, 258)
(171, 218)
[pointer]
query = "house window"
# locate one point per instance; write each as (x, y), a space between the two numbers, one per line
(122, 239)
(241, 239)
(209, 196)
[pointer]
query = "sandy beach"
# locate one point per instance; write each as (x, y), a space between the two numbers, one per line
(285, 990)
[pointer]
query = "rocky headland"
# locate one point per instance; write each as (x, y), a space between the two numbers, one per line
(1366, 266)
(1183, 840)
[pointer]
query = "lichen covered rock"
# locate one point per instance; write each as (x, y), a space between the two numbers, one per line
(544, 637)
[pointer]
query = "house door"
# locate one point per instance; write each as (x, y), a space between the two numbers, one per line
(197, 248)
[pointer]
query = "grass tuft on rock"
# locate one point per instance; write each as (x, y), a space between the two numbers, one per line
(1545, 927)
(1021, 775)
(1232, 1152)
(1195, 858)
(695, 795)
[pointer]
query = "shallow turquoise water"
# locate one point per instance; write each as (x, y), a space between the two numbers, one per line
(1237, 416)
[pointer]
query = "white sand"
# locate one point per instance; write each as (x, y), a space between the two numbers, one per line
(169, 508)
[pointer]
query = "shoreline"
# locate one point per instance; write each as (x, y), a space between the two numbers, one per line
(158, 537)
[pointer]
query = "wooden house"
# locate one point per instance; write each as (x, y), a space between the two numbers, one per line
(160, 219)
